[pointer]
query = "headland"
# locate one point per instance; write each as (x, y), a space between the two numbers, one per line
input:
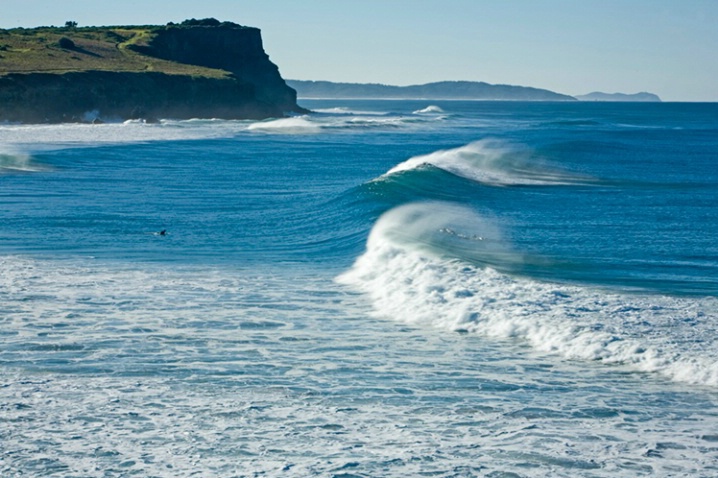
(195, 69)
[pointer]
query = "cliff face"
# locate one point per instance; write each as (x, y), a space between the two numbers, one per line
(243, 84)
(230, 48)
(84, 96)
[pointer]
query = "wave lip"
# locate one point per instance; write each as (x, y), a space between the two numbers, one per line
(493, 163)
(407, 279)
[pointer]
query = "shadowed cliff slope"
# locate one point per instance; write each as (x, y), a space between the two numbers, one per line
(201, 68)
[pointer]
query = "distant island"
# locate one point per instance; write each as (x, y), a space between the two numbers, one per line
(599, 96)
(444, 90)
(195, 69)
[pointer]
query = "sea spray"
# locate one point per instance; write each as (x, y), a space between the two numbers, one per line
(20, 163)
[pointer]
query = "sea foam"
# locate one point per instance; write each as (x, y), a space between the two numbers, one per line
(62, 136)
(409, 281)
(296, 125)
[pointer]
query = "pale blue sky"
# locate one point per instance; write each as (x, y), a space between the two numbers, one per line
(667, 47)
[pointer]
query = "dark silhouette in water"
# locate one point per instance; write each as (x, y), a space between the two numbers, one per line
(163, 232)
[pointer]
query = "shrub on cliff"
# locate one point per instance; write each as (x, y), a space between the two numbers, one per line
(205, 22)
(66, 43)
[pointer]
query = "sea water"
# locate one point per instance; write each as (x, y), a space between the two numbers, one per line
(379, 288)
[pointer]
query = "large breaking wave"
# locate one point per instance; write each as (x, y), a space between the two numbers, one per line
(413, 271)
(493, 162)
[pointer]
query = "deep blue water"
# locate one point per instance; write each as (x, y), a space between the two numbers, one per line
(380, 288)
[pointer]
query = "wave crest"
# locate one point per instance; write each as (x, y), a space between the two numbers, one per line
(431, 109)
(492, 162)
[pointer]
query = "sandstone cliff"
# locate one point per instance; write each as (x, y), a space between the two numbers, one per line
(196, 69)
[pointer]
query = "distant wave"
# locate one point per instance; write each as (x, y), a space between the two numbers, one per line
(43, 137)
(494, 163)
(343, 110)
(411, 278)
(338, 121)
(298, 125)
(429, 109)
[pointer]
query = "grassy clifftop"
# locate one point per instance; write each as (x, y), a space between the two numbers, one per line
(60, 50)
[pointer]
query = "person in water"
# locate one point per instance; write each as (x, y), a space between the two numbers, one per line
(163, 232)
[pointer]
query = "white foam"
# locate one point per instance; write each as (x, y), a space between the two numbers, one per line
(296, 125)
(671, 336)
(431, 109)
(343, 110)
(490, 162)
(66, 135)
(167, 370)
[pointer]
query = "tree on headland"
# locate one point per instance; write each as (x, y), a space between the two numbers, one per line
(70, 24)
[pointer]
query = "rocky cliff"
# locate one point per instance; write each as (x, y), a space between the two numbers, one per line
(196, 69)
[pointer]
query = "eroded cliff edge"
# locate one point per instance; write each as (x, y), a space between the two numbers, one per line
(198, 69)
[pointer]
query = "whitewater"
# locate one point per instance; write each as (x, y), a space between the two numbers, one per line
(378, 288)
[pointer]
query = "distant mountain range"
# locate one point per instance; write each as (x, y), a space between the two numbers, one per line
(599, 96)
(444, 90)
(449, 90)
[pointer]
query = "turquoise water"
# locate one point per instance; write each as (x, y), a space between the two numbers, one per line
(380, 288)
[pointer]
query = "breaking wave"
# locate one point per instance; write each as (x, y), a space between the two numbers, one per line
(431, 109)
(296, 125)
(494, 163)
(413, 272)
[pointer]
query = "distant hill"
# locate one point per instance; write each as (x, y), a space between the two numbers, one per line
(599, 96)
(444, 90)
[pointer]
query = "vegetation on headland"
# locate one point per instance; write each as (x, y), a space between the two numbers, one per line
(72, 49)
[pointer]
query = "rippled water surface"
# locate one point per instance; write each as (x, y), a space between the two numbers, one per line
(388, 288)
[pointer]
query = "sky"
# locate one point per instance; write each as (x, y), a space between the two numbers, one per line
(666, 47)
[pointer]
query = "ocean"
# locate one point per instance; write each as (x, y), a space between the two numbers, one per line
(376, 289)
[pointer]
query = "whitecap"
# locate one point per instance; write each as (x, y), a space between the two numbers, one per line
(431, 109)
(296, 125)
(494, 163)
